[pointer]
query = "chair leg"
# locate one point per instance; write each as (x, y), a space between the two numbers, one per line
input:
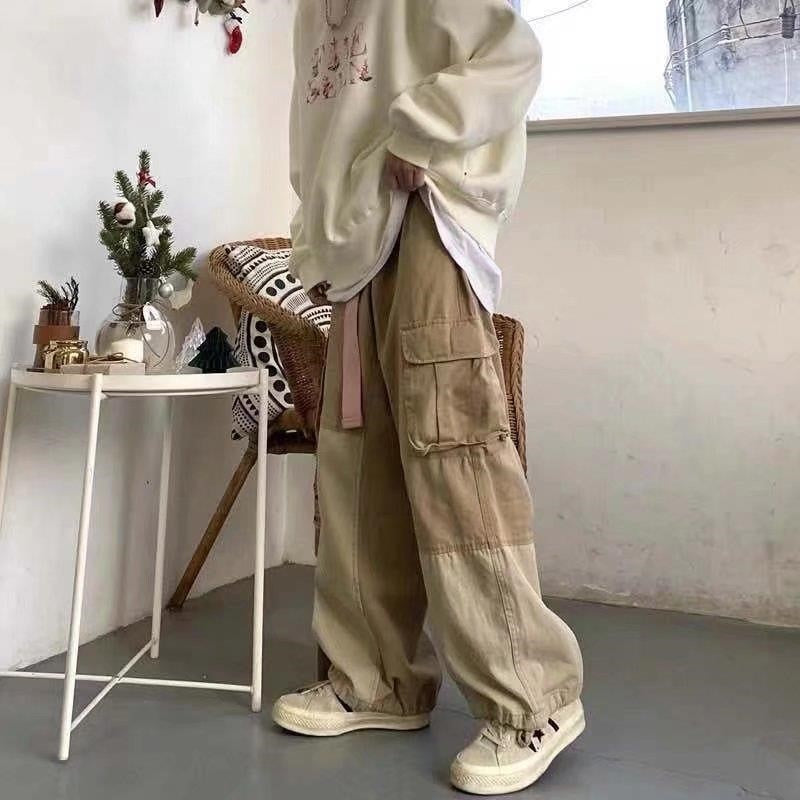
(215, 524)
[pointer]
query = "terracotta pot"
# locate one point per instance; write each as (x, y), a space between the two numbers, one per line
(53, 325)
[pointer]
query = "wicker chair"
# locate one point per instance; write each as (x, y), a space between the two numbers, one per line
(301, 346)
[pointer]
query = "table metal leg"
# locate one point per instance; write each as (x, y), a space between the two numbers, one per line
(5, 454)
(261, 537)
(163, 504)
(80, 570)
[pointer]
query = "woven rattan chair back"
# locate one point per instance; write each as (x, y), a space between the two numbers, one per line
(301, 345)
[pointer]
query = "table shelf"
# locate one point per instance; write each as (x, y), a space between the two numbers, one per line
(240, 379)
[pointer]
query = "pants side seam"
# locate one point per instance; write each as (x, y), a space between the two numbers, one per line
(357, 561)
(503, 590)
(513, 633)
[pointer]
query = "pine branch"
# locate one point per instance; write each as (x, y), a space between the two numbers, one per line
(63, 299)
(154, 201)
(137, 247)
(106, 214)
(71, 292)
(182, 263)
(49, 292)
(125, 186)
(162, 221)
(161, 256)
(139, 205)
(118, 253)
(144, 161)
(112, 240)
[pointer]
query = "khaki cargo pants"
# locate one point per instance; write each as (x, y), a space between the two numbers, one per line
(426, 509)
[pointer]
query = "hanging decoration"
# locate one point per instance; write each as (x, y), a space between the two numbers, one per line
(228, 8)
(124, 212)
(180, 292)
(233, 27)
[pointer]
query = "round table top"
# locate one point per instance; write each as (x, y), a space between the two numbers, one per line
(240, 379)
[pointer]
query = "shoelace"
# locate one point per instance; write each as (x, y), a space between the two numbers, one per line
(500, 735)
(318, 688)
(313, 688)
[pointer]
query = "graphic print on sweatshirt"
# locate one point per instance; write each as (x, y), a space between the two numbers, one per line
(340, 61)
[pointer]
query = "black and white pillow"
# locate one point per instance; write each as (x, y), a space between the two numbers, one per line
(267, 273)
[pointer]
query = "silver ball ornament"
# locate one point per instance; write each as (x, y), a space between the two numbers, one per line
(166, 290)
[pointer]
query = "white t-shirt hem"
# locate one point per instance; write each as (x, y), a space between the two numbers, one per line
(482, 272)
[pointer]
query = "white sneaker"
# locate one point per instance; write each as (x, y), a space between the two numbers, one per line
(503, 760)
(317, 711)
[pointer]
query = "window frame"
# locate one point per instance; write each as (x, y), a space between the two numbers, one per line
(662, 119)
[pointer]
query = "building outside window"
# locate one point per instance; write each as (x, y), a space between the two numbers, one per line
(607, 58)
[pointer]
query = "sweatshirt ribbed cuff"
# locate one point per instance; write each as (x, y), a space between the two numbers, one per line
(411, 149)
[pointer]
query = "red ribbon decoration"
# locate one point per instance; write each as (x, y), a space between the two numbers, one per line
(159, 4)
(145, 178)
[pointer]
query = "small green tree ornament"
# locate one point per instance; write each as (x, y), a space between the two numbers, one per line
(215, 354)
(137, 237)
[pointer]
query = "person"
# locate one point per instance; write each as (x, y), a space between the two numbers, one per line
(407, 152)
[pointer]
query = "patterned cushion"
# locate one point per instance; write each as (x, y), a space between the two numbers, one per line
(267, 272)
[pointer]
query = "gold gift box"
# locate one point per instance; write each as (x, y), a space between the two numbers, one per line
(65, 352)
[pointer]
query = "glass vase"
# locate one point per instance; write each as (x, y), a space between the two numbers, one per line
(138, 327)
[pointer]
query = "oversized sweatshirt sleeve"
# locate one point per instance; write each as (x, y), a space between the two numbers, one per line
(294, 142)
(294, 117)
(297, 229)
(487, 89)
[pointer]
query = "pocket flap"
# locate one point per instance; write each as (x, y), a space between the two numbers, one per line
(447, 340)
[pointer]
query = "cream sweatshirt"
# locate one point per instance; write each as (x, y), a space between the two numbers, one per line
(444, 84)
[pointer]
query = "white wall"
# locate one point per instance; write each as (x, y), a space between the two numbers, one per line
(85, 86)
(658, 276)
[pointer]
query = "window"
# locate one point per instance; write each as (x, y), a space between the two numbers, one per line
(616, 58)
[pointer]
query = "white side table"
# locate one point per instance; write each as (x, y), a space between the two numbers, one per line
(99, 388)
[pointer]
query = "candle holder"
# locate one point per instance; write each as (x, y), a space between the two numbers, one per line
(58, 318)
(138, 328)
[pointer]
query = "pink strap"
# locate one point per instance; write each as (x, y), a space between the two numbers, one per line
(352, 413)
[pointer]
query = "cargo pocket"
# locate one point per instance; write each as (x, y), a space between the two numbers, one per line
(452, 393)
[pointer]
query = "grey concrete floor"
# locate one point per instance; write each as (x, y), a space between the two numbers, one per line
(679, 708)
